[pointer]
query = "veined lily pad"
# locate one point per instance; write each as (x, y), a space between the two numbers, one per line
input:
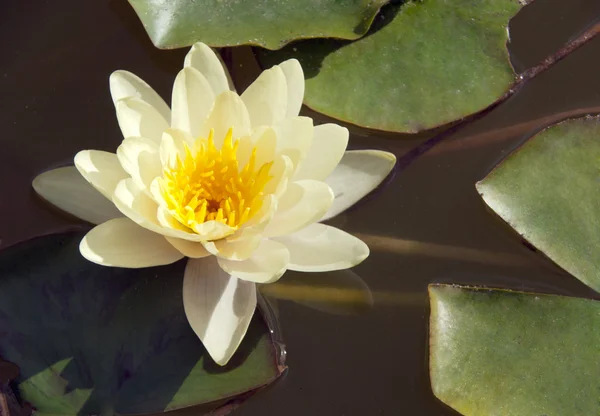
(270, 23)
(97, 340)
(497, 352)
(426, 64)
(549, 191)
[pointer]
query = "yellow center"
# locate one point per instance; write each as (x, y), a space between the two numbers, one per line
(209, 185)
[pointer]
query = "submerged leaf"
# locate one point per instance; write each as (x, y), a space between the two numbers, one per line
(426, 63)
(496, 352)
(96, 340)
(272, 23)
(549, 191)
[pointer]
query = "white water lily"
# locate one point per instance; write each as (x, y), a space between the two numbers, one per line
(237, 184)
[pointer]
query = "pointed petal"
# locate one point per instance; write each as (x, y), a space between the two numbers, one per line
(139, 157)
(359, 172)
(137, 118)
(122, 243)
(172, 145)
(267, 264)
(66, 189)
(208, 63)
(219, 307)
(192, 101)
(321, 248)
(228, 112)
(304, 203)
(101, 169)
(281, 171)
(266, 98)
(328, 146)
(124, 84)
(189, 249)
(294, 138)
(294, 77)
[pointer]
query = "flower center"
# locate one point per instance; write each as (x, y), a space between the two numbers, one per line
(209, 185)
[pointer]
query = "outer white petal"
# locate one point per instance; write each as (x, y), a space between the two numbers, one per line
(266, 98)
(294, 138)
(228, 111)
(139, 157)
(189, 249)
(219, 307)
(192, 101)
(320, 248)
(137, 118)
(122, 243)
(124, 84)
(267, 264)
(294, 77)
(101, 169)
(359, 172)
(68, 190)
(328, 146)
(209, 64)
(304, 203)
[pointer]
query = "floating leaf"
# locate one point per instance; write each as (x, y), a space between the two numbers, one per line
(270, 23)
(97, 340)
(429, 63)
(497, 352)
(549, 191)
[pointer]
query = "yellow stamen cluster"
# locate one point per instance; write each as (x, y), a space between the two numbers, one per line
(209, 185)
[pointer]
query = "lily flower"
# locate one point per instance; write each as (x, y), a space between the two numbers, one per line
(235, 183)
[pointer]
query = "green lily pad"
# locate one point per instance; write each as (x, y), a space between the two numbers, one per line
(426, 63)
(549, 191)
(497, 352)
(270, 23)
(97, 340)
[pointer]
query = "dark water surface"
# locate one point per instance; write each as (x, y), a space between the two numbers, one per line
(54, 67)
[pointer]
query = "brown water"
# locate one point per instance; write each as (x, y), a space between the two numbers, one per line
(54, 67)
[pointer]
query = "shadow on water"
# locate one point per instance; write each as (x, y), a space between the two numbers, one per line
(122, 333)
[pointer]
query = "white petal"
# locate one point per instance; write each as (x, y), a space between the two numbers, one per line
(218, 307)
(294, 138)
(192, 101)
(321, 248)
(122, 243)
(359, 173)
(190, 249)
(124, 84)
(172, 145)
(228, 112)
(137, 118)
(266, 98)
(304, 203)
(66, 189)
(294, 77)
(101, 169)
(213, 230)
(267, 264)
(131, 200)
(281, 171)
(139, 157)
(328, 146)
(238, 249)
(208, 63)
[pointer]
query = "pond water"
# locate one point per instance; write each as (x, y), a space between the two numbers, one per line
(427, 225)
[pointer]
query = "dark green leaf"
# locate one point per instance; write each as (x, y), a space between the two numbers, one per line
(269, 23)
(497, 352)
(429, 63)
(549, 191)
(98, 340)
